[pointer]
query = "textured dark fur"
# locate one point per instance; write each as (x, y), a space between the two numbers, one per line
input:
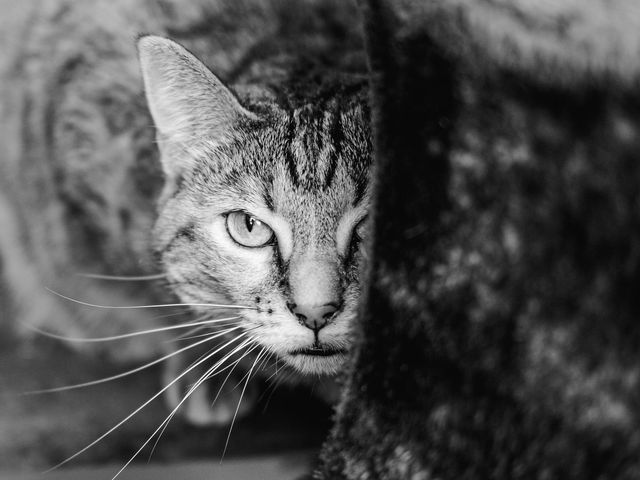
(500, 338)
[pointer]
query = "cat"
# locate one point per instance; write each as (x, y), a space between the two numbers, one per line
(255, 195)
(265, 201)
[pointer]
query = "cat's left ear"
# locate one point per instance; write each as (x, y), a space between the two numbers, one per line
(187, 101)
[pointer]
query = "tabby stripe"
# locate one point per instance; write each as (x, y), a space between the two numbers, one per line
(266, 194)
(187, 232)
(281, 273)
(288, 147)
(361, 188)
(336, 136)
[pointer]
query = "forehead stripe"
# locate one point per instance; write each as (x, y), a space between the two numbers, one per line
(336, 136)
(288, 150)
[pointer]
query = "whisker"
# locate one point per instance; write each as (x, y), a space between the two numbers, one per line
(130, 372)
(127, 335)
(269, 383)
(210, 373)
(160, 305)
(267, 380)
(123, 278)
(235, 414)
(265, 360)
(226, 379)
(187, 336)
(224, 358)
(173, 412)
(246, 375)
(273, 385)
(156, 395)
(213, 371)
(174, 314)
(224, 382)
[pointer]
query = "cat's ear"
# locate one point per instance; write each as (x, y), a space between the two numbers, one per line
(187, 101)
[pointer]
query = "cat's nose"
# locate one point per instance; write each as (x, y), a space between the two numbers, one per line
(314, 317)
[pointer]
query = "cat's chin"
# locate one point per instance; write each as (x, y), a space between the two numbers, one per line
(317, 360)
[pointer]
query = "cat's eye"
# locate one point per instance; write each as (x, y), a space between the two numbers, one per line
(248, 231)
(361, 230)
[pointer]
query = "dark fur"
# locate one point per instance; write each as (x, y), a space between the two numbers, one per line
(500, 336)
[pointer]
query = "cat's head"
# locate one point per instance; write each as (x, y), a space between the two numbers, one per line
(264, 204)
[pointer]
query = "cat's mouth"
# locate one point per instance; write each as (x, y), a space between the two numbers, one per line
(318, 351)
(317, 359)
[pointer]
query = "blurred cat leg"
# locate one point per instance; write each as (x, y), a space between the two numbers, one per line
(213, 403)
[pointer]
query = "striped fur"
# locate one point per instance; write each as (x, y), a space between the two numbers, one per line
(300, 165)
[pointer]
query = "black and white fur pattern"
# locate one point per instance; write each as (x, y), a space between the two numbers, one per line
(297, 163)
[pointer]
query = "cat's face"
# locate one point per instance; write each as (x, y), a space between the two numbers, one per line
(263, 207)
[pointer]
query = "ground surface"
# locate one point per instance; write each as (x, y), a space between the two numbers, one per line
(280, 467)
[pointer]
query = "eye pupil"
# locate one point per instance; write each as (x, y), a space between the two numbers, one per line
(249, 222)
(248, 231)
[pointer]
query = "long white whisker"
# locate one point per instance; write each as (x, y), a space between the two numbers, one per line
(268, 379)
(274, 382)
(215, 370)
(123, 278)
(130, 372)
(225, 357)
(224, 382)
(210, 373)
(160, 392)
(174, 314)
(173, 412)
(264, 361)
(187, 336)
(244, 377)
(235, 414)
(128, 335)
(197, 319)
(160, 305)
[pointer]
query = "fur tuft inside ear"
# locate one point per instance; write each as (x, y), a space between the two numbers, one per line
(188, 103)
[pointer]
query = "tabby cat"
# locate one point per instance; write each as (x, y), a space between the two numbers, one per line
(251, 209)
(264, 203)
